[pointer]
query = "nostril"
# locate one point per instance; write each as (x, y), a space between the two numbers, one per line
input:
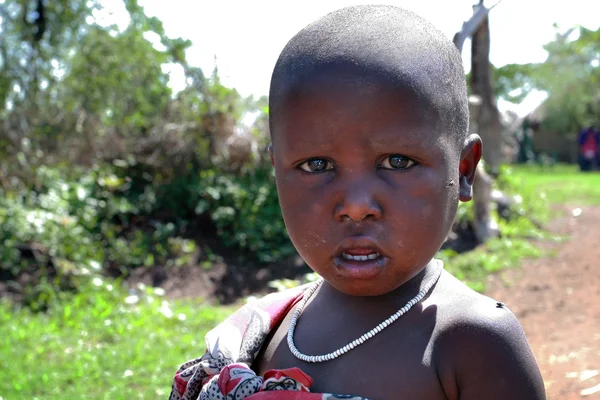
(349, 218)
(358, 203)
(358, 215)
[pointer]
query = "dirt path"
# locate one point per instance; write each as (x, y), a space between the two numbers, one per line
(557, 299)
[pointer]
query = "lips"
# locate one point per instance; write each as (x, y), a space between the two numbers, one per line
(359, 246)
(360, 258)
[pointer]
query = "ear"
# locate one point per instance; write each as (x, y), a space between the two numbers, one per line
(271, 154)
(469, 158)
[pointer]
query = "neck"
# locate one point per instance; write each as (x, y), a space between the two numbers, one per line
(396, 298)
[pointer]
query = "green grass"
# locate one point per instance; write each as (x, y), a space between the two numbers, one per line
(509, 251)
(103, 343)
(100, 344)
(561, 184)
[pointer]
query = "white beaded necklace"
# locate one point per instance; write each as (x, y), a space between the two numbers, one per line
(343, 350)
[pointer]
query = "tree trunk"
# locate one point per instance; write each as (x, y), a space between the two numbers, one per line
(488, 117)
(484, 119)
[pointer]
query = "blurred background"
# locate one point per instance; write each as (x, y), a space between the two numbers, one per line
(137, 200)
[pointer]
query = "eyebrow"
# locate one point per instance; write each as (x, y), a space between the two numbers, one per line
(405, 143)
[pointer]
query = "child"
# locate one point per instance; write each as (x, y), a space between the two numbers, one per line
(369, 121)
(589, 147)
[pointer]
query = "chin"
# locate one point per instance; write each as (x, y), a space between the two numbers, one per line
(362, 288)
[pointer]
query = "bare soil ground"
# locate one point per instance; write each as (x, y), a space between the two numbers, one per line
(557, 299)
(225, 282)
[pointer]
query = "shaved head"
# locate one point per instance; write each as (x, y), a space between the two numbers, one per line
(381, 45)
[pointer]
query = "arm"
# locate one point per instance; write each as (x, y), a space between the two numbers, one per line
(490, 357)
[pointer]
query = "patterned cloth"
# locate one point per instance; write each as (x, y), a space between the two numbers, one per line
(223, 372)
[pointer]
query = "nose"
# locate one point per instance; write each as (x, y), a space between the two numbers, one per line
(358, 203)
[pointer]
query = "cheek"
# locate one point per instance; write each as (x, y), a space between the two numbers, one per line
(426, 211)
(428, 191)
(308, 241)
(425, 208)
(299, 202)
(305, 213)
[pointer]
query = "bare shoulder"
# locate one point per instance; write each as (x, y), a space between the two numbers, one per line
(480, 348)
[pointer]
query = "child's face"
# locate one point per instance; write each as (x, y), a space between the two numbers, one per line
(364, 172)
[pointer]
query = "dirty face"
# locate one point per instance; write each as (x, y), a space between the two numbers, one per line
(367, 182)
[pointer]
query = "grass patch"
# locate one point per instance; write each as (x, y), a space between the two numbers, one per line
(101, 343)
(508, 251)
(561, 184)
(473, 267)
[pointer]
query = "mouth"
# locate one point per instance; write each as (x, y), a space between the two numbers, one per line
(360, 258)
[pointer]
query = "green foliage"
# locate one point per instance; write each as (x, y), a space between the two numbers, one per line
(246, 212)
(77, 224)
(575, 97)
(465, 213)
(101, 343)
(32, 49)
(570, 75)
(118, 77)
(104, 217)
(138, 167)
(46, 219)
(513, 82)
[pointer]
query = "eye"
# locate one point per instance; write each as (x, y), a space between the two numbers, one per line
(396, 161)
(316, 165)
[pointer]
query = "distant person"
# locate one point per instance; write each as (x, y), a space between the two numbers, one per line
(369, 122)
(589, 149)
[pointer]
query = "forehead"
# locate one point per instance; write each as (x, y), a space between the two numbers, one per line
(356, 76)
(365, 108)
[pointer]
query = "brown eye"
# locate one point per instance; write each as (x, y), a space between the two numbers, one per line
(315, 165)
(397, 161)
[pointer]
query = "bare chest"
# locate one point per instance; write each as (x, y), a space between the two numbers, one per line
(397, 364)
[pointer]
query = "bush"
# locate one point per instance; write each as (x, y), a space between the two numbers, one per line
(245, 210)
(77, 221)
